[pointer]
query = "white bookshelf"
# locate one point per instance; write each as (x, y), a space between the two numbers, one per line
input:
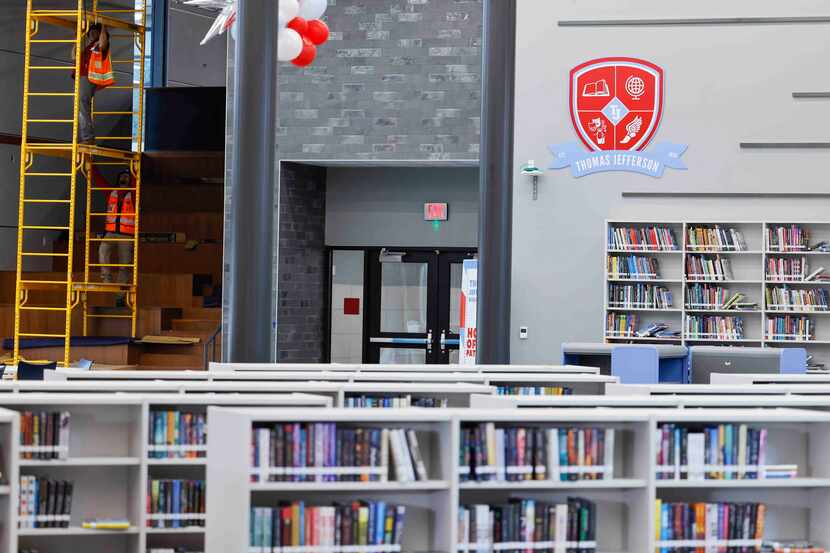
(797, 508)
(763, 379)
(218, 369)
(9, 432)
(108, 462)
(749, 276)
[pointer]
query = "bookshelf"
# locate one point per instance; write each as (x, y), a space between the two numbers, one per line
(624, 502)
(694, 290)
(9, 429)
(107, 459)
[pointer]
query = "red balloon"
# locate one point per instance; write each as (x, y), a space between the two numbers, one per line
(307, 55)
(298, 24)
(317, 31)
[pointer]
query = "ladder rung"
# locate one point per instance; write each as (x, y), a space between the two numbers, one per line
(105, 188)
(47, 201)
(25, 308)
(115, 113)
(47, 174)
(112, 239)
(112, 163)
(50, 120)
(126, 61)
(110, 316)
(123, 87)
(113, 137)
(52, 93)
(33, 335)
(52, 41)
(106, 214)
(52, 67)
(44, 254)
(64, 282)
(110, 264)
(42, 227)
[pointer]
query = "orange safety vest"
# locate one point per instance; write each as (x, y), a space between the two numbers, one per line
(120, 220)
(99, 71)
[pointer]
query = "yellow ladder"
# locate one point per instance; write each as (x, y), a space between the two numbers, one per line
(46, 167)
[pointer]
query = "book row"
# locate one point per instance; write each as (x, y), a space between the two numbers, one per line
(788, 327)
(642, 239)
(44, 503)
(787, 239)
(514, 454)
(700, 267)
(339, 525)
(781, 269)
(718, 452)
(529, 525)
(310, 452)
(174, 434)
(633, 266)
(785, 299)
(714, 326)
(621, 324)
(175, 503)
(790, 547)
(44, 435)
(705, 527)
(394, 402)
(639, 296)
(515, 390)
(716, 238)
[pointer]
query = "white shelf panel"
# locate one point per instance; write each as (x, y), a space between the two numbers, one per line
(724, 340)
(614, 483)
(73, 531)
(725, 311)
(643, 338)
(729, 281)
(764, 483)
(647, 309)
(646, 280)
(429, 485)
(645, 251)
(82, 462)
(724, 252)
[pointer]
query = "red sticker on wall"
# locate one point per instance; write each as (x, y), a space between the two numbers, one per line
(351, 306)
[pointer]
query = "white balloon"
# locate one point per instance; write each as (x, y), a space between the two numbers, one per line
(313, 9)
(289, 9)
(289, 44)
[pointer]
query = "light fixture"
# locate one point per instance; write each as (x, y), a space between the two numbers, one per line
(530, 170)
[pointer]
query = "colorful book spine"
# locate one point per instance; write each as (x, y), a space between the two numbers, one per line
(786, 269)
(516, 453)
(709, 527)
(174, 434)
(715, 238)
(44, 503)
(788, 299)
(646, 296)
(324, 452)
(649, 238)
(175, 503)
(516, 390)
(394, 402)
(621, 325)
(44, 434)
(714, 327)
(708, 267)
(784, 328)
(528, 525)
(367, 523)
(791, 238)
(721, 452)
(632, 267)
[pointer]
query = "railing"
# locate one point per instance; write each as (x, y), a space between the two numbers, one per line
(210, 346)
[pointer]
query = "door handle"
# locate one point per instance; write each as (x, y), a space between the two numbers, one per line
(429, 341)
(443, 341)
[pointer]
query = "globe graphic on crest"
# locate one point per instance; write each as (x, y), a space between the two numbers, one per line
(635, 86)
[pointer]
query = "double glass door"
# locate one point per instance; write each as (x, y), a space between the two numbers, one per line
(413, 306)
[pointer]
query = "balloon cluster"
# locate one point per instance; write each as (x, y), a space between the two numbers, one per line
(301, 31)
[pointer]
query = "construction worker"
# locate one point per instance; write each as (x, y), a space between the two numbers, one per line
(120, 224)
(97, 37)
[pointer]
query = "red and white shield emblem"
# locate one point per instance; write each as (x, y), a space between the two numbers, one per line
(616, 103)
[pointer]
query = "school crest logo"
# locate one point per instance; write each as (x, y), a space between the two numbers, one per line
(616, 105)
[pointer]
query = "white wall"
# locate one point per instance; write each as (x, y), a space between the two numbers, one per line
(724, 84)
(381, 206)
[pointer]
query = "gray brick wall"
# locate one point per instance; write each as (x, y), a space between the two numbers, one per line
(303, 263)
(399, 79)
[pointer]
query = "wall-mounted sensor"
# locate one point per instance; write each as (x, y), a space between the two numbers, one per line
(523, 333)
